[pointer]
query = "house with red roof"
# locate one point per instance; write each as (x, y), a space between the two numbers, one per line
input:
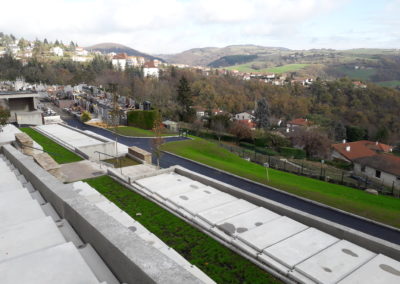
(349, 151)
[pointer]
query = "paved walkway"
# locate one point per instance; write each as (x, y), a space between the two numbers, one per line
(168, 160)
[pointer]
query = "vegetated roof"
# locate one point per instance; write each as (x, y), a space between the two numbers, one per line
(360, 149)
(300, 121)
(383, 162)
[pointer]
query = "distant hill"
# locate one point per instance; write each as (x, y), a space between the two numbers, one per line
(108, 47)
(232, 60)
(205, 56)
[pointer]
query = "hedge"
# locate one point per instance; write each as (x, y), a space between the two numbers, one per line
(261, 150)
(292, 152)
(142, 119)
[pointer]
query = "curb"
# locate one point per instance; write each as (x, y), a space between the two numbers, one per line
(291, 195)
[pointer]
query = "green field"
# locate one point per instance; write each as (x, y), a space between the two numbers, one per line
(217, 261)
(384, 209)
(279, 69)
(359, 74)
(57, 152)
(390, 84)
(137, 132)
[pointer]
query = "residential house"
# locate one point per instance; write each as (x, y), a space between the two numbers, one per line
(200, 111)
(171, 125)
(150, 70)
(79, 51)
(119, 61)
(58, 51)
(359, 149)
(244, 116)
(298, 122)
(381, 168)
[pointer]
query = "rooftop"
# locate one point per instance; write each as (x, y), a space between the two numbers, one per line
(359, 149)
(383, 162)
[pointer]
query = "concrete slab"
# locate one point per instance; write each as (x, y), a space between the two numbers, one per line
(139, 170)
(300, 247)
(181, 200)
(210, 201)
(335, 262)
(19, 212)
(14, 196)
(380, 269)
(108, 207)
(29, 237)
(123, 218)
(81, 170)
(225, 211)
(158, 182)
(61, 264)
(172, 190)
(73, 138)
(9, 182)
(152, 240)
(246, 221)
(271, 232)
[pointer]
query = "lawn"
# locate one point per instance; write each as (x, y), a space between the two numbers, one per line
(57, 152)
(360, 74)
(138, 132)
(279, 69)
(217, 261)
(390, 84)
(384, 209)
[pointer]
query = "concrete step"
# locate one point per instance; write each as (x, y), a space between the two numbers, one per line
(61, 264)
(49, 211)
(69, 234)
(9, 182)
(29, 237)
(19, 212)
(97, 265)
(14, 196)
(38, 197)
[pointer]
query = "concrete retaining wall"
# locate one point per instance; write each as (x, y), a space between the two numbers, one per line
(128, 257)
(367, 241)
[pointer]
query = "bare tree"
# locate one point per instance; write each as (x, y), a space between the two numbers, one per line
(158, 140)
(241, 130)
(196, 126)
(313, 141)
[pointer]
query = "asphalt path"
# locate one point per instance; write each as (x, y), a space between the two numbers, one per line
(168, 160)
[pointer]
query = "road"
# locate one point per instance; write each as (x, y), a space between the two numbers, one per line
(168, 160)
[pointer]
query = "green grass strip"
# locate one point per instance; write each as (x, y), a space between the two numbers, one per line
(217, 261)
(56, 151)
(381, 208)
(138, 132)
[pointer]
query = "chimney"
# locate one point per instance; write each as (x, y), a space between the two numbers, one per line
(347, 148)
(344, 141)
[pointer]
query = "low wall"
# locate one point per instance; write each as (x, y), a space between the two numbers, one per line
(128, 256)
(90, 151)
(29, 118)
(140, 154)
(367, 241)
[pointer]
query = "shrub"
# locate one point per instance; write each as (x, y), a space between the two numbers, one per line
(266, 151)
(246, 145)
(292, 152)
(85, 116)
(142, 119)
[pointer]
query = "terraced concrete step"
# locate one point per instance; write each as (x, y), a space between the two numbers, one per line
(20, 212)
(29, 237)
(61, 264)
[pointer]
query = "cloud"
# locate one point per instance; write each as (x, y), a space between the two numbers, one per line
(168, 25)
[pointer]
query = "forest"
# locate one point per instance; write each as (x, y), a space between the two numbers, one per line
(372, 111)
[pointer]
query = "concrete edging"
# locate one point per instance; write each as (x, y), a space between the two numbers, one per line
(290, 194)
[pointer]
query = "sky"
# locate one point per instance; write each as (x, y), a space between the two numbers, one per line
(172, 26)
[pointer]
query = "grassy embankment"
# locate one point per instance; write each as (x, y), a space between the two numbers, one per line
(138, 132)
(279, 69)
(57, 152)
(217, 261)
(384, 209)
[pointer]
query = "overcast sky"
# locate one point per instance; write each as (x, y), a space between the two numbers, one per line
(170, 26)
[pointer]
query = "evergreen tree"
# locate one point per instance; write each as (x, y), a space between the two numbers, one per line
(57, 43)
(262, 114)
(45, 41)
(185, 100)
(340, 131)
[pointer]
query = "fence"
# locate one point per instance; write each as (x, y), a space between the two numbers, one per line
(323, 172)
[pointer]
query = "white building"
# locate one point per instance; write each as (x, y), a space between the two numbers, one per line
(244, 116)
(119, 61)
(58, 51)
(150, 70)
(81, 52)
